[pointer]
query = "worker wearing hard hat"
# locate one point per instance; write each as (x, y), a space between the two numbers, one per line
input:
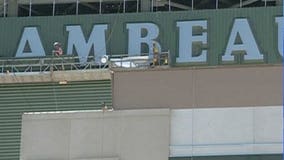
(57, 49)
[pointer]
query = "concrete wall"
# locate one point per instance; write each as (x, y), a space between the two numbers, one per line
(195, 87)
(226, 131)
(122, 135)
(152, 134)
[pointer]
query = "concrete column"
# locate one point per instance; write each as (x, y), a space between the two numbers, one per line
(12, 8)
(145, 5)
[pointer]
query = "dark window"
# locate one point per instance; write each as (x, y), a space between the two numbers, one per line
(205, 4)
(121, 6)
(271, 3)
(89, 8)
(23, 10)
(65, 8)
(112, 7)
(177, 5)
(160, 5)
(132, 6)
(42, 10)
(228, 3)
(259, 3)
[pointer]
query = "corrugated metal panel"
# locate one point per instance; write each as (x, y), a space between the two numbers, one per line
(16, 99)
(234, 157)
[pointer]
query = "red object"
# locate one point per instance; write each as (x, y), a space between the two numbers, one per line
(58, 51)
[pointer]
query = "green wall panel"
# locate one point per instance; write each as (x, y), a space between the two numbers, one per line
(261, 20)
(42, 97)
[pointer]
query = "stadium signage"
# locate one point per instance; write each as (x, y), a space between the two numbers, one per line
(96, 41)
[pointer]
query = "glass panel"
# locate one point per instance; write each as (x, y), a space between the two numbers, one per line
(259, 3)
(250, 3)
(42, 9)
(177, 5)
(112, 7)
(89, 8)
(272, 3)
(36, 1)
(161, 5)
(65, 8)
(23, 10)
(229, 4)
(205, 4)
(132, 6)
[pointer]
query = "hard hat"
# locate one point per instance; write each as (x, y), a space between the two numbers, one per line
(56, 43)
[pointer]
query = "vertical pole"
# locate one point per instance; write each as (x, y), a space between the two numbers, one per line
(53, 8)
(4, 8)
(265, 3)
(77, 7)
(169, 5)
(192, 3)
(30, 9)
(137, 9)
(217, 2)
(124, 5)
(241, 3)
(100, 6)
(152, 5)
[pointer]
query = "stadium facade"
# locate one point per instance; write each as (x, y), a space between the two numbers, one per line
(220, 96)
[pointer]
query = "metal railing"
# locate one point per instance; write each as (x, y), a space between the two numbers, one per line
(143, 61)
(46, 64)
(124, 6)
(67, 63)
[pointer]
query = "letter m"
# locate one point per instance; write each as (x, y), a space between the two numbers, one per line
(77, 41)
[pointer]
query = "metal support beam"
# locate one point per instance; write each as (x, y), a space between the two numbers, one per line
(177, 5)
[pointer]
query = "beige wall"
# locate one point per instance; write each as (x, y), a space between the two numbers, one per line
(198, 87)
(226, 131)
(121, 135)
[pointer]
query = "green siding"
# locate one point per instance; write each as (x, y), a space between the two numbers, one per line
(242, 157)
(15, 99)
(261, 20)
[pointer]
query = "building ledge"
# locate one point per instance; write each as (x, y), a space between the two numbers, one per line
(55, 76)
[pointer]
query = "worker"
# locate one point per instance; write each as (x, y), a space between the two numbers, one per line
(156, 58)
(57, 49)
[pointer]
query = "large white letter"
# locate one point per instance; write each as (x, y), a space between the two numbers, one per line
(186, 40)
(83, 47)
(31, 38)
(135, 40)
(279, 21)
(248, 45)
